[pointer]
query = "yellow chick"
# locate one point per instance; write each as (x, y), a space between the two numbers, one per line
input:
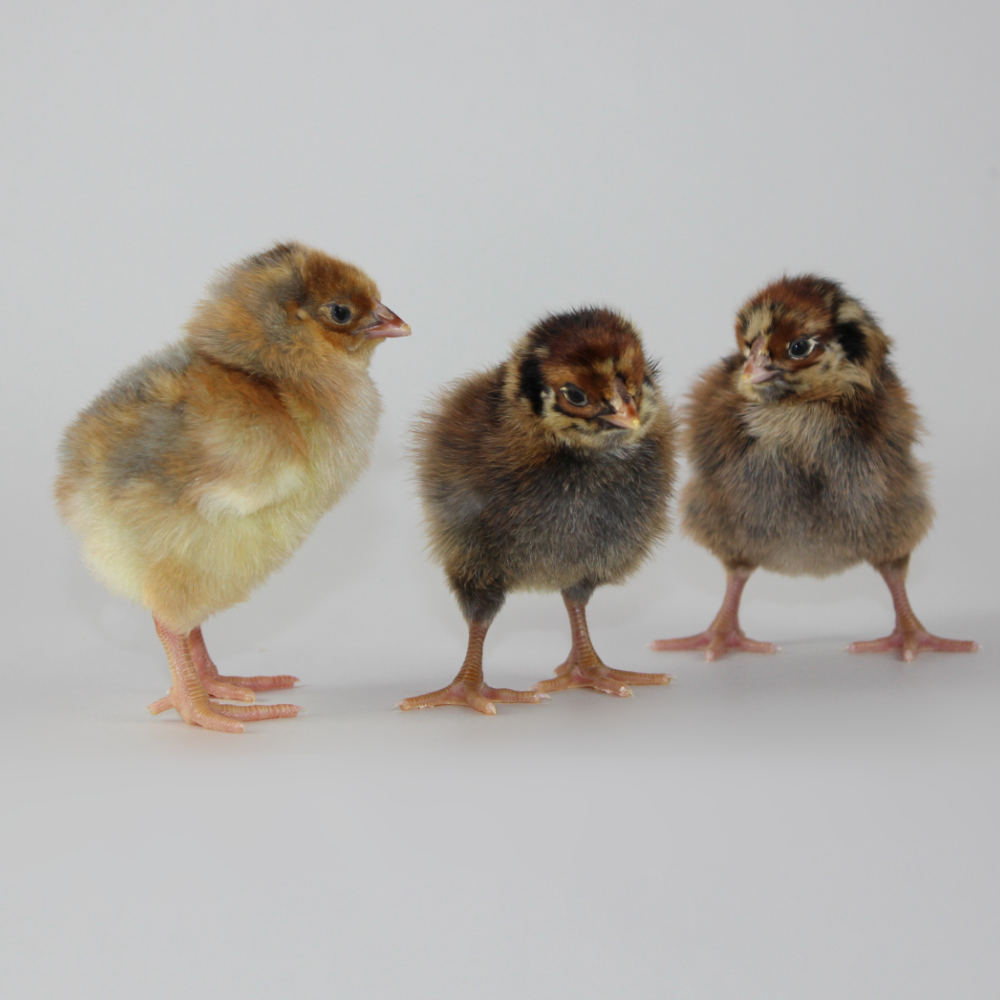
(204, 467)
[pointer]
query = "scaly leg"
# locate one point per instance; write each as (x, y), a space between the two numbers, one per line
(909, 636)
(189, 697)
(724, 632)
(230, 688)
(583, 667)
(468, 687)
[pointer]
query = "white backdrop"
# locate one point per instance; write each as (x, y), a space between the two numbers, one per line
(806, 825)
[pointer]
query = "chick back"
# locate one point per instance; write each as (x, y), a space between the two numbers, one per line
(506, 513)
(808, 487)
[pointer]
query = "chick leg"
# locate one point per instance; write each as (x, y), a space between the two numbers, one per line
(231, 688)
(909, 636)
(189, 697)
(724, 632)
(468, 687)
(583, 667)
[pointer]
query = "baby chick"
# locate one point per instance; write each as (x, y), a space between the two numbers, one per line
(203, 468)
(801, 453)
(551, 471)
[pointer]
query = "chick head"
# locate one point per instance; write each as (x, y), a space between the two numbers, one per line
(805, 338)
(581, 377)
(282, 313)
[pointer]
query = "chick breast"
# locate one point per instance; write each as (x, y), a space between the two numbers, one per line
(809, 487)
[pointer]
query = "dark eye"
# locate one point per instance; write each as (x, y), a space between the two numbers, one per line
(340, 313)
(799, 349)
(574, 396)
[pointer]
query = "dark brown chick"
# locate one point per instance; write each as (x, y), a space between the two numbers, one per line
(200, 470)
(551, 471)
(801, 454)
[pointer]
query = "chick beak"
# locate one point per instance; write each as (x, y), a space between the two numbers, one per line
(755, 370)
(388, 324)
(625, 414)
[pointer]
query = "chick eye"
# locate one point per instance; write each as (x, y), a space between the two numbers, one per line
(574, 395)
(340, 313)
(799, 349)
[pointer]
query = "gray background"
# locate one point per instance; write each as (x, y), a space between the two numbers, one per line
(807, 825)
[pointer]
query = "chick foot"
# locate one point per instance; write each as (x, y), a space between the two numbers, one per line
(583, 667)
(598, 677)
(715, 642)
(190, 698)
(913, 641)
(479, 696)
(724, 633)
(909, 636)
(222, 718)
(468, 688)
(231, 688)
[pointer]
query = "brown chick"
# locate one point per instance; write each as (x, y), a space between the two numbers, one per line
(204, 467)
(801, 454)
(551, 471)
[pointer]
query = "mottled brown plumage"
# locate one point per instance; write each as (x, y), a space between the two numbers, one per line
(551, 471)
(801, 455)
(200, 470)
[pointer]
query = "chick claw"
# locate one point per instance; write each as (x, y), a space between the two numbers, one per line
(912, 641)
(480, 696)
(604, 680)
(715, 642)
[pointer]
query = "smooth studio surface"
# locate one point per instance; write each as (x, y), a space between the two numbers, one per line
(804, 825)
